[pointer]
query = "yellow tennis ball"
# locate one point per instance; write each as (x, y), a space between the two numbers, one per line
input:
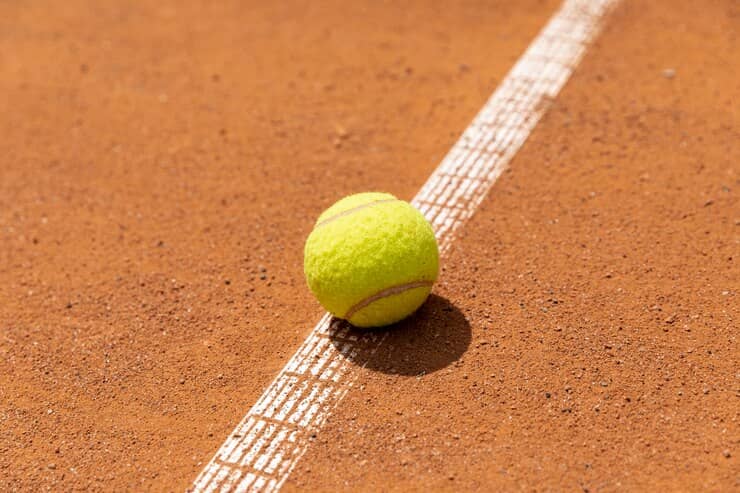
(371, 259)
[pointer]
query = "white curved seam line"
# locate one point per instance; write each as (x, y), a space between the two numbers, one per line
(352, 210)
(386, 293)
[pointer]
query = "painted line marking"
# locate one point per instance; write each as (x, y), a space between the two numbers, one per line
(278, 429)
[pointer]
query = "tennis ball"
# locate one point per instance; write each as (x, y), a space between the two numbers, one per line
(371, 259)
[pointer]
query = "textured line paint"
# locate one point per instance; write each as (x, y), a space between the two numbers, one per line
(278, 428)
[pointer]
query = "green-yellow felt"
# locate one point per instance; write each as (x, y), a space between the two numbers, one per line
(371, 259)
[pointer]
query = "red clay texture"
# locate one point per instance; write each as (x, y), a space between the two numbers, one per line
(163, 163)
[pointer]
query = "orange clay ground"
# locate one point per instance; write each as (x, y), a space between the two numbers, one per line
(162, 164)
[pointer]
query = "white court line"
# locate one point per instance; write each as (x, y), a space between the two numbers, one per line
(281, 424)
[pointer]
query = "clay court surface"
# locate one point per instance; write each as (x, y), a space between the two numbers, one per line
(163, 162)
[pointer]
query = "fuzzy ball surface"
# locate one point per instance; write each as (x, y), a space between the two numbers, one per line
(371, 259)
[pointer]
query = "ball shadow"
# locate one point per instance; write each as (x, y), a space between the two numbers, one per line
(432, 338)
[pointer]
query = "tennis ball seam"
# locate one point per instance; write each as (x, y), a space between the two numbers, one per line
(391, 291)
(353, 210)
